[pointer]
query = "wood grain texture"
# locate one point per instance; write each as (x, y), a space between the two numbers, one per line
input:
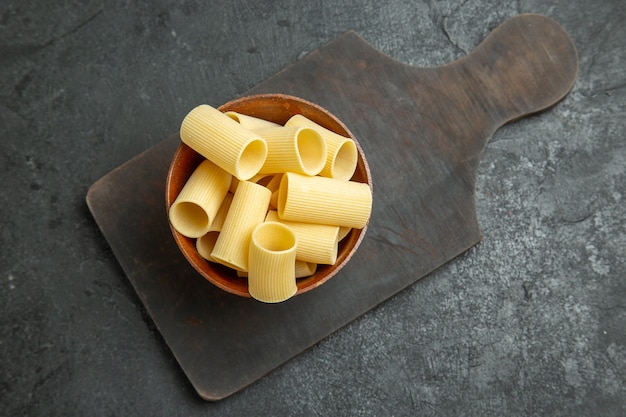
(423, 131)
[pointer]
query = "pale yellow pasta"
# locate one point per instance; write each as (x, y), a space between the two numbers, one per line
(262, 179)
(205, 245)
(305, 269)
(258, 178)
(317, 243)
(247, 210)
(274, 200)
(218, 221)
(233, 185)
(198, 202)
(342, 153)
(343, 232)
(223, 141)
(324, 200)
(271, 273)
(293, 149)
(250, 122)
(274, 184)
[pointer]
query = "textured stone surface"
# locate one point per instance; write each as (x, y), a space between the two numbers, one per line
(530, 322)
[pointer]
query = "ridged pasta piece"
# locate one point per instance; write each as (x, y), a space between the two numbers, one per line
(343, 232)
(247, 210)
(324, 201)
(261, 178)
(198, 202)
(205, 245)
(250, 122)
(223, 141)
(271, 273)
(317, 243)
(342, 153)
(305, 269)
(274, 201)
(274, 184)
(218, 221)
(294, 149)
(233, 185)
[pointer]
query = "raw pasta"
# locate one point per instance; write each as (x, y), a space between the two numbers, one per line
(343, 232)
(274, 184)
(233, 185)
(261, 178)
(324, 201)
(198, 202)
(223, 141)
(250, 122)
(342, 153)
(317, 243)
(247, 210)
(294, 149)
(274, 200)
(205, 245)
(290, 202)
(271, 273)
(218, 221)
(305, 269)
(258, 178)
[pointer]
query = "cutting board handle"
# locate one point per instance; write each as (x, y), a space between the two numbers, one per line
(525, 65)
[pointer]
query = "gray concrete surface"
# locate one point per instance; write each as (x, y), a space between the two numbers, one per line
(531, 322)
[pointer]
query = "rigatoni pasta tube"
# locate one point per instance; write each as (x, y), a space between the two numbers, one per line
(294, 149)
(247, 210)
(223, 141)
(342, 153)
(271, 272)
(317, 243)
(205, 245)
(262, 179)
(250, 122)
(273, 186)
(218, 221)
(274, 183)
(343, 232)
(305, 269)
(324, 201)
(198, 202)
(274, 200)
(233, 185)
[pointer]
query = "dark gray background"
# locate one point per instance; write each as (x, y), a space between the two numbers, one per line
(530, 322)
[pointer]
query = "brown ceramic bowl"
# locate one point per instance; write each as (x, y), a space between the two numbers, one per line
(277, 108)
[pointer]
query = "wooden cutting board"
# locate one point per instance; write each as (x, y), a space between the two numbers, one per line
(423, 131)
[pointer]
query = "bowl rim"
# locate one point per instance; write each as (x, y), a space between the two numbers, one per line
(214, 272)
